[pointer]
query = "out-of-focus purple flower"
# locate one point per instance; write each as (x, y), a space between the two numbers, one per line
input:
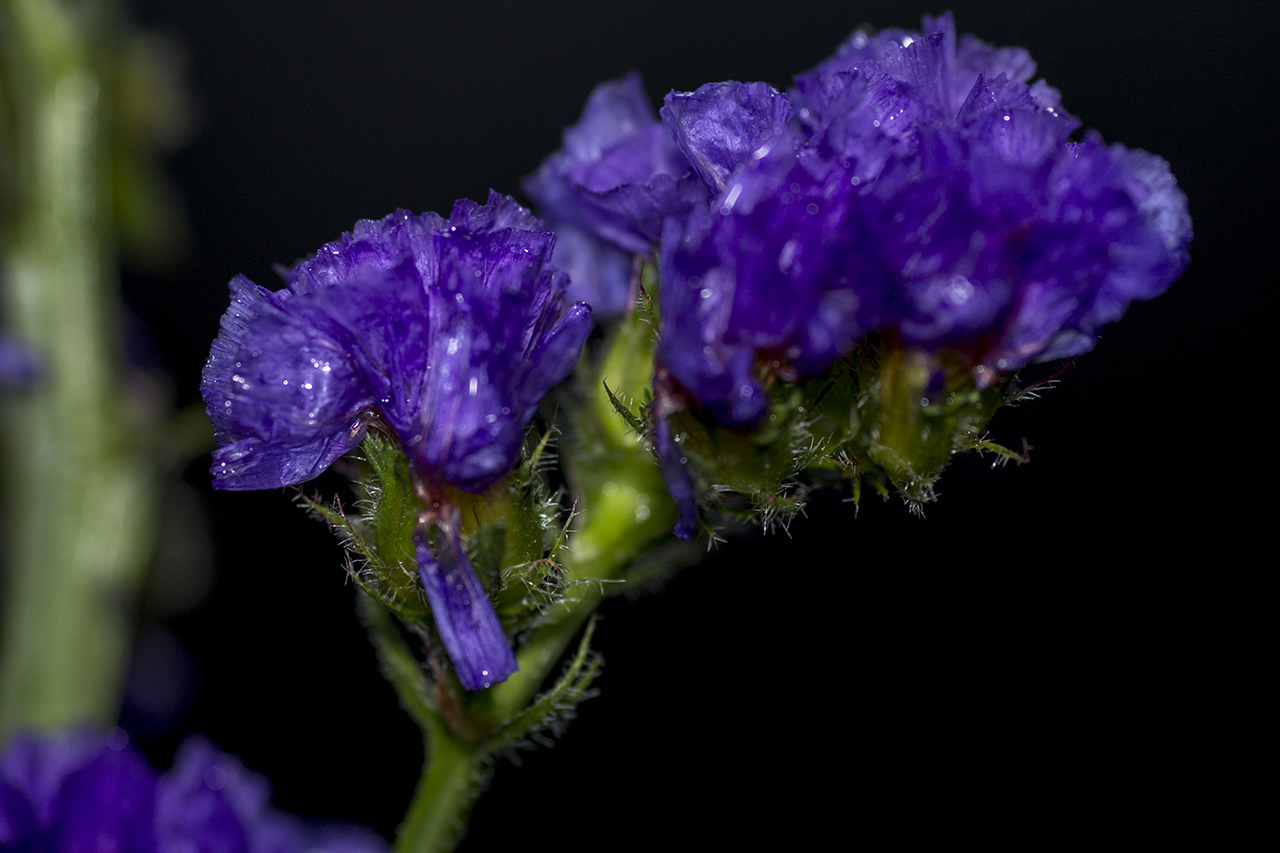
(83, 792)
(19, 366)
(448, 332)
(75, 792)
(209, 801)
(924, 189)
(599, 272)
(617, 177)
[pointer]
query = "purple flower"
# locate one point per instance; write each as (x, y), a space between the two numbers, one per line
(447, 332)
(930, 192)
(19, 366)
(209, 801)
(83, 791)
(924, 189)
(609, 188)
(75, 792)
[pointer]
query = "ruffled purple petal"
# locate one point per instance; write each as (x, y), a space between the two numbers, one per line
(614, 113)
(776, 274)
(371, 245)
(464, 618)
(619, 172)
(281, 389)
(458, 365)
(722, 124)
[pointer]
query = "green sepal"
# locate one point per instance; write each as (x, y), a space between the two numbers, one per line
(384, 561)
(366, 567)
(392, 514)
(896, 416)
(750, 474)
(556, 705)
(928, 409)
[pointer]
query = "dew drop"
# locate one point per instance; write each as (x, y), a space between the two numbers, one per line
(215, 778)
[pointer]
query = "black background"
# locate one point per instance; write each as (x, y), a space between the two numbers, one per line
(1061, 642)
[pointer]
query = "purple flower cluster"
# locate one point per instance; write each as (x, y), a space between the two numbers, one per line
(924, 188)
(915, 184)
(83, 792)
(446, 332)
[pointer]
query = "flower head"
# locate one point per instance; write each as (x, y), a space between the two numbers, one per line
(924, 189)
(448, 333)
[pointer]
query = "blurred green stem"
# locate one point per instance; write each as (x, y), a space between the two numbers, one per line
(77, 496)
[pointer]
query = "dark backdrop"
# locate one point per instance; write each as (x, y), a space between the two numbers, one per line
(1055, 640)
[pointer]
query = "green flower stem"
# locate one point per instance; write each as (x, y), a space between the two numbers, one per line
(626, 511)
(452, 779)
(78, 494)
(455, 771)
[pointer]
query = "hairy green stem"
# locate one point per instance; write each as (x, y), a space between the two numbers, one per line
(452, 779)
(77, 494)
(457, 769)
